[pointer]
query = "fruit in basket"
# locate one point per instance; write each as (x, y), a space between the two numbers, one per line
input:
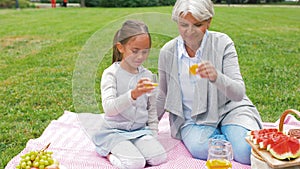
(280, 145)
(288, 148)
(262, 131)
(277, 138)
(269, 139)
(259, 136)
(294, 133)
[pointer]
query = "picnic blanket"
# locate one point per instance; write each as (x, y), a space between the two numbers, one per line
(73, 148)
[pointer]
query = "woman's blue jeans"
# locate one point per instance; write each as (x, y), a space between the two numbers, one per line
(195, 138)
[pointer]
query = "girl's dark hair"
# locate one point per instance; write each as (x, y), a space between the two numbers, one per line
(129, 29)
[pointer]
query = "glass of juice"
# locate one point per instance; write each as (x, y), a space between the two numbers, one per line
(154, 83)
(220, 154)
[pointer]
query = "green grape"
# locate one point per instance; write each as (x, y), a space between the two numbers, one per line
(27, 158)
(38, 159)
(51, 161)
(32, 157)
(42, 162)
(46, 163)
(36, 164)
(22, 160)
(29, 163)
(23, 164)
(49, 153)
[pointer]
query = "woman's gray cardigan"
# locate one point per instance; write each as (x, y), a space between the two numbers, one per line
(223, 101)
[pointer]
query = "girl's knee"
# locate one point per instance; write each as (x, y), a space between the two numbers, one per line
(157, 160)
(127, 163)
(136, 163)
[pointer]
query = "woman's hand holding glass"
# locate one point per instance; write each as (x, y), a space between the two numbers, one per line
(204, 69)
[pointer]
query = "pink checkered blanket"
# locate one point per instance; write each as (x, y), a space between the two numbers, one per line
(73, 148)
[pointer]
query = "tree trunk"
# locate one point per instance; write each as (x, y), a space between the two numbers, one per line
(17, 4)
(82, 3)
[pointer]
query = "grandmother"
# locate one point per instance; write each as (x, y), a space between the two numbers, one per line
(212, 103)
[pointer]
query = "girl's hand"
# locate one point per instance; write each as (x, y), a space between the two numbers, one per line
(207, 70)
(143, 86)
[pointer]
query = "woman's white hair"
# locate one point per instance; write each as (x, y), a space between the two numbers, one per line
(200, 9)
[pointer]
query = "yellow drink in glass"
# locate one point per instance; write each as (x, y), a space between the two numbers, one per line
(193, 69)
(218, 164)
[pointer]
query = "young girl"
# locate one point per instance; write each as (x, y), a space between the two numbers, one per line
(127, 138)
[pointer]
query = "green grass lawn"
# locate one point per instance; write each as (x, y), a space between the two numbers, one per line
(42, 50)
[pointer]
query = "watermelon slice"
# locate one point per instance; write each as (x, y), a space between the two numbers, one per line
(276, 139)
(254, 134)
(287, 148)
(269, 139)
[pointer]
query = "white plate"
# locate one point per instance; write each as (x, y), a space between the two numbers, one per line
(62, 167)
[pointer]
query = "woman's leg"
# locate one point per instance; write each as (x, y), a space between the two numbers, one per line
(125, 155)
(236, 134)
(195, 138)
(152, 150)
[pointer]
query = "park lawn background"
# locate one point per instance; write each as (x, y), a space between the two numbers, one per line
(40, 47)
